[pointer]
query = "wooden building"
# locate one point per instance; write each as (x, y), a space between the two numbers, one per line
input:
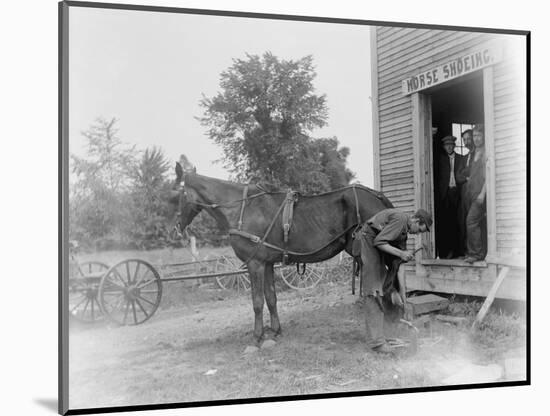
(424, 81)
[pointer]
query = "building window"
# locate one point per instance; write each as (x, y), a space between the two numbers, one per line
(458, 129)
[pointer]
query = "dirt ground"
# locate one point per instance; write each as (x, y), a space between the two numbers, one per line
(195, 349)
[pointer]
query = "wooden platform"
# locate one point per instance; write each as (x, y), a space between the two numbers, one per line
(418, 305)
(458, 277)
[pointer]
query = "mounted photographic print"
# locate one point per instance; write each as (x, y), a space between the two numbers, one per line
(263, 207)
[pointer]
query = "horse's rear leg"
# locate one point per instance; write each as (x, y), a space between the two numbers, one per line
(271, 298)
(256, 271)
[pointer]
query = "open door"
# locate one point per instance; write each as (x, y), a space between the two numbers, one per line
(446, 110)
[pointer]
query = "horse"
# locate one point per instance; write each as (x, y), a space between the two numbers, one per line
(317, 227)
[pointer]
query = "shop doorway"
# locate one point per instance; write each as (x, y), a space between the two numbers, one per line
(455, 107)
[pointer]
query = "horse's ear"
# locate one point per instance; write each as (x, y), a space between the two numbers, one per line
(179, 172)
(186, 164)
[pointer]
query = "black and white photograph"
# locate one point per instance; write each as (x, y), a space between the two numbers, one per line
(256, 212)
(293, 207)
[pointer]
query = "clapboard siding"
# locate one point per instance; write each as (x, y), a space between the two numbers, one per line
(398, 154)
(389, 125)
(396, 104)
(395, 112)
(510, 158)
(402, 52)
(392, 34)
(414, 44)
(400, 141)
(395, 133)
(413, 41)
(395, 119)
(440, 52)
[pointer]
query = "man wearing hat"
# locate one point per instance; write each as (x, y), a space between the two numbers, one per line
(476, 222)
(383, 240)
(448, 200)
(462, 179)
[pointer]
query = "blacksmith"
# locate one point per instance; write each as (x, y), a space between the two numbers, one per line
(383, 240)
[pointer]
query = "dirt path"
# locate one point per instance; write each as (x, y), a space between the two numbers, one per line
(195, 352)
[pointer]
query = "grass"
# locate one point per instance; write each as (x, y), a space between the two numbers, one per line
(201, 327)
(156, 257)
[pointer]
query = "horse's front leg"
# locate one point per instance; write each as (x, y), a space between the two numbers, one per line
(271, 298)
(256, 271)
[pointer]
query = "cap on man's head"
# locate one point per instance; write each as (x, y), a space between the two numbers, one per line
(424, 217)
(448, 139)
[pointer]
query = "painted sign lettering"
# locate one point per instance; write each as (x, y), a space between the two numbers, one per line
(460, 66)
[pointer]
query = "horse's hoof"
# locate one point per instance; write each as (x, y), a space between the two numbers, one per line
(270, 333)
(258, 340)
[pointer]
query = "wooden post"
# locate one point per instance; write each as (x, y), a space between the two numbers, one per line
(490, 177)
(490, 297)
(374, 103)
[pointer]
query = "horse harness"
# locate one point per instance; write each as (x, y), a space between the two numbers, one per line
(286, 210)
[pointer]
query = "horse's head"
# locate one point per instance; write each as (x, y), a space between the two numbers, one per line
(184, 200)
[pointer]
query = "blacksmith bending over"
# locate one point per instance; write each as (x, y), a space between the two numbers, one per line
(383, 242)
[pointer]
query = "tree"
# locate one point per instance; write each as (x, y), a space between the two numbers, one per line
(333, 162)
(98, 204)
(149, 186)
(263, 118)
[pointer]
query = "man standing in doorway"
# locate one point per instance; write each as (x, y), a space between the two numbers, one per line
(461, 179)
(383, 238)
(476, 245)
(448, 194)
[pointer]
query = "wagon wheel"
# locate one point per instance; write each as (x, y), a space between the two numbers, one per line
(83, 287)
(239, 282)
(130, 292)
(312, 276)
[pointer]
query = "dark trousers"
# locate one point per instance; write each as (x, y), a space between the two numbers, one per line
(448, 230)
(378, 280)
(476, 226)
(463, 208)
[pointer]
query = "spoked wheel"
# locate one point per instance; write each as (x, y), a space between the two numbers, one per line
(83, 288)
(130, 292)
(239, 281)
(308, 280)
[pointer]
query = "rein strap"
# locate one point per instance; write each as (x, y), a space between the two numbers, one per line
(245, 194)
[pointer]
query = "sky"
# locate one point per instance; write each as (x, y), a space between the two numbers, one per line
(150, 70)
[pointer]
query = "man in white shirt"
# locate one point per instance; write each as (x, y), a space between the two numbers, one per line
(447, 200)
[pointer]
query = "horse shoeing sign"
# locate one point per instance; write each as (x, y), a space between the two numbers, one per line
(458, 67)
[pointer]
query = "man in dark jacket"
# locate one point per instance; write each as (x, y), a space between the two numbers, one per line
(383, 238)
(476, 222)
(461, 179)
(448, 199)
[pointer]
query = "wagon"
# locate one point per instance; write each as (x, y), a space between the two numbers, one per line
(130, 292)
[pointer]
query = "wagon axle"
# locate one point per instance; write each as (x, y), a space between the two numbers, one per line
(132, 293)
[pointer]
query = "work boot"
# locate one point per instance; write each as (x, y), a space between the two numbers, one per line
(374, 322)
